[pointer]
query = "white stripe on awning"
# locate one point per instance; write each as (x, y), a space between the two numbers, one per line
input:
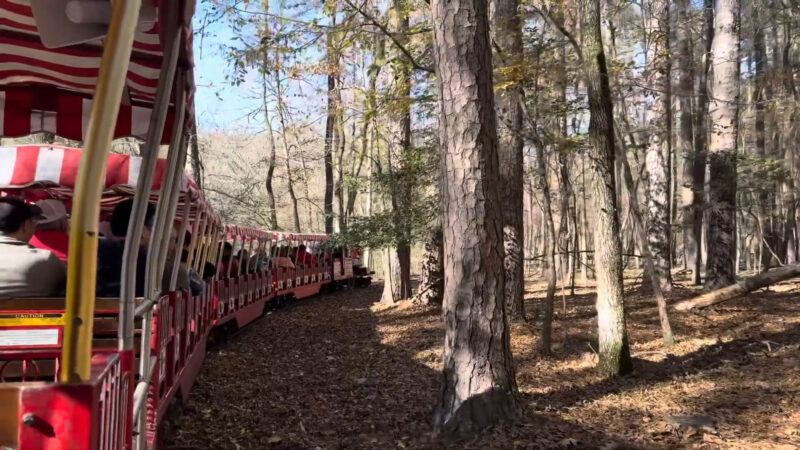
(134, 166)
(8, 156)
(48, 167)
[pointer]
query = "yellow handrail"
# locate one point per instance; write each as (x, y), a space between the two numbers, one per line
(81, 273)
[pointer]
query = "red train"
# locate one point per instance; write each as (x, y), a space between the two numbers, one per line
(31, 329)
(82, 372)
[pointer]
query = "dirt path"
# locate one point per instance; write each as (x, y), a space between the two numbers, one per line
(334, 372)
(314, 375)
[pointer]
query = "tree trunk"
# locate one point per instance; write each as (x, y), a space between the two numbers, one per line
(659, 177)
(396, 285)
(685, 143)
(507, 38)
(766, 194)
(615, 358)
(549, 239)
(750, 284)
(285, 137)
(431, 285)
(701, 127)
(198, 171)
(641, 234)
(479, 382)
(272, 213)
(723, 112)
(567, 195)
(399, 130)
(338, 188)
(331, 141)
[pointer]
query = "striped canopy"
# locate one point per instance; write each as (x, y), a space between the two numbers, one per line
(47, 171)
(50, 89)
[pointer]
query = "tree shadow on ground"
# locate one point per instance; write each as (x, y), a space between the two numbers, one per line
(738, 352)
(320, 374)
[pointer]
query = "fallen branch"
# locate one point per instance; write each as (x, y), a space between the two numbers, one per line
(750, 284)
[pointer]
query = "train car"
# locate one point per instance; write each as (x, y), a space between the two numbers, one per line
(99, 373)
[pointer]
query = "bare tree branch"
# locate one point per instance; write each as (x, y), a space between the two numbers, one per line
(391, 36)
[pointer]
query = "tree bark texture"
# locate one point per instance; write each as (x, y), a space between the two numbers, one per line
(397, 265)
(331, 135)
(507, 36)
(723, 110)
(657, 157)
(479, 383)
(431, 284)
(614, 350)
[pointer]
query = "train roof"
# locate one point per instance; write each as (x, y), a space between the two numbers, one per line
(50, 171)
(50, 53)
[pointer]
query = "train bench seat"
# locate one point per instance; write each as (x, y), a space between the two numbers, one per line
(31, 330)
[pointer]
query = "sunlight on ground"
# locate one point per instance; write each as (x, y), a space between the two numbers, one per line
(736, 366)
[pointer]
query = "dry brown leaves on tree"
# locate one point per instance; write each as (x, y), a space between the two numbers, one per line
(336, 372)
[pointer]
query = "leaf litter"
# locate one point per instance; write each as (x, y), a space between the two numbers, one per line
(339, 371)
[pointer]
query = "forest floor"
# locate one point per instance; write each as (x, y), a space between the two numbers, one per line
(338, 371)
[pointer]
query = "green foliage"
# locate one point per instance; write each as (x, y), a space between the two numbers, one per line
(409, 219)
(760, 174)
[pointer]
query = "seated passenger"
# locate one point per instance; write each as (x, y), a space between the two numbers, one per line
(196, 283)
(255, 263)
(244, 257)
(208, 272)
(26, 271)
(228, 260)
(305, 258)
(52, 232)
(183, 283)
(110, 251)
(282, 259)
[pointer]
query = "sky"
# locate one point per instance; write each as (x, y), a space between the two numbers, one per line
(222, 106)
(219, 105)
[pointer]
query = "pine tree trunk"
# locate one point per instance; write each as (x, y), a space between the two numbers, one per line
(723, 112)
(615, 358)
(479, 381)
(331, 135)
(659, 177)
(396, 278)
(431, 284)
(507, 38)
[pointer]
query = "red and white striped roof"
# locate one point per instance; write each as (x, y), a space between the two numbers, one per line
(50, 90)
(56, 166)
